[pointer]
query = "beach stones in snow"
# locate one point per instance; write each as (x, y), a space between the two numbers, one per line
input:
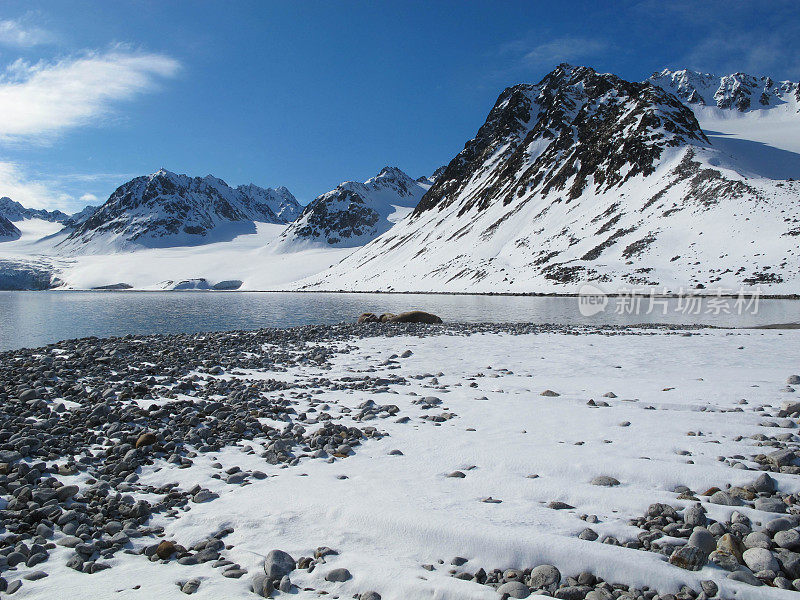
(514, 589)
(701, 538)
(338, 575)
(760, 559)
(262, 585)
(545, 577)
(605, 481)
(770, 504)
(688, 557)
(695, 515)
(165, 549)
(278, 563)
(191, 586)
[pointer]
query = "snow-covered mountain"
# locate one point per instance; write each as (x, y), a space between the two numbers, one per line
(355, 213)
(80, 216)
(587, 177)
(8, 231)
(14, 211)
(165, 210)
(737, 91)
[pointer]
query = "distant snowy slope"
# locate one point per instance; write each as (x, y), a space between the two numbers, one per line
(754, 118)
(585, 176)
(14, 211)
(355, 213)
(8, 231)
(165, 209)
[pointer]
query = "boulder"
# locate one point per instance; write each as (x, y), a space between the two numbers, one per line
(278, 563)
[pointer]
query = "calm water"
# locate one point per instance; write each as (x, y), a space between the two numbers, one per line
(30, 319)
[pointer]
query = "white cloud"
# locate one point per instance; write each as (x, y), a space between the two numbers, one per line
(65, 192)
(39, 100)
(31, 193)
(564, 49)
(19, 34)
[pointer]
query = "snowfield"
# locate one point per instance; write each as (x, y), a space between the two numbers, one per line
(389, 514)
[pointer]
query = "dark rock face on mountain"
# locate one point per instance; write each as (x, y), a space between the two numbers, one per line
(575, 125)
(14, 211)
(738, 91)
(355, 213)
(8, 231)
(586, 177)
(166, 209)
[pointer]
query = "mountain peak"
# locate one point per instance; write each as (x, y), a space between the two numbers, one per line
(573, 129)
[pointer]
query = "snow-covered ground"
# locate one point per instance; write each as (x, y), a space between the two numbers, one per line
(394, 513)
(249, 258)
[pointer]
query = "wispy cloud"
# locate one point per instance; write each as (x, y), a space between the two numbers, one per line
(563, 49)
(20, 33)
(42, 99)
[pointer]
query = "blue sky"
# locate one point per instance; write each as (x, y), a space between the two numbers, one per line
(308, 94)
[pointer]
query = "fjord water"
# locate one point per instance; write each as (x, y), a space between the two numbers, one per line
(32, 319)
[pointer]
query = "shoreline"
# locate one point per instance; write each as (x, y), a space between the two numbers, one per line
(695, 294)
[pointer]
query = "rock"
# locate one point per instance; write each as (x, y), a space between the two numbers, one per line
(724, 498)
(204, 496)
(285, 584)
(146, 439)
(414, 316)
(688, 557)
(459, 561)
(789, 539)
(588, 534)
(695, 515)
(724, 560)
(370, 596)
(781, 458)
(165, 549)
(701, 538)
(605, 480)
(549, 393)
(600, 594)
(278, 563)
(191, 586)
(66, 492)
(731, 545)
(368, 318)
(514, 589)
(760, 559)
(338, 575)
(764, 483)
(556, 505)
(9, 456)
(793, 380)
(709, 587)
(745, 577)
(456, 474)
(35, 575)
(770, 504)
(757, 539)
(13, 586)
(779, 524)
(545, 577)
(262, 585)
